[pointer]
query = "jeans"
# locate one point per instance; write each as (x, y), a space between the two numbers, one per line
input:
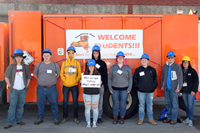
(17, 100)
(119, 102)
(189, 103)
(148, 99)
(101, 92)
(52, 95)
(74, 91)
(91, 101)
(171, 102)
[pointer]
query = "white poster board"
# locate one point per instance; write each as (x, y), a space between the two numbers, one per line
(91, 81)
(110, 41)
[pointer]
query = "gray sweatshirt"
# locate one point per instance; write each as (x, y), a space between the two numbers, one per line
(121, 78)
(176, 76)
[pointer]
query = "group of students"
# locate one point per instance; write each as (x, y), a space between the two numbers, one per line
(174, 79)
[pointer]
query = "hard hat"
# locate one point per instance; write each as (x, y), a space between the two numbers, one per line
(91, 62)
(71, 48)
(145, 56)
(186, 58)
(46, 51)
(96, 48)
(18, 52)
(120, 53)
(171, 53)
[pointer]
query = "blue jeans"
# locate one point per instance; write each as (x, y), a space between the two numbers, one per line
(17, 100)
(66, 91)
(171, 102)
(189, 103)
(119, 102)
(148, 99)
(52, 95)
(91, 101)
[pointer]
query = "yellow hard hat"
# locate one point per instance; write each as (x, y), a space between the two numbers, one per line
(186, 58)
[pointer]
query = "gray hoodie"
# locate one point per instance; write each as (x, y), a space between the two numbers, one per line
(176, 76)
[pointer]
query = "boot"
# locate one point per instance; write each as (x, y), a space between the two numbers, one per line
(122, 120)
(115, 120)
(152, 121)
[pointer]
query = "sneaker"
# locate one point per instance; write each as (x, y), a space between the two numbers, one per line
(152, 121)
(94, 124)
(88, 124)
(190, 124)
(186, 121)
(140, 121)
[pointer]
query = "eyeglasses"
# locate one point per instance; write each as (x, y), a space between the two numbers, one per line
(170, 57)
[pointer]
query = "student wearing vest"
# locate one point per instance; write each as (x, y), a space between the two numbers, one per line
(17, 77)
(46, 73)
(70, 74)
(171, 84)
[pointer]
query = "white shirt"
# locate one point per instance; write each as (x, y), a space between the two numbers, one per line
(19, 81)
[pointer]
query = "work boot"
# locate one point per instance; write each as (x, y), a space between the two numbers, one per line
(140, 121)
(173, 122)
(122, 120)
(115, 120)
(167, 121)
(152, 121)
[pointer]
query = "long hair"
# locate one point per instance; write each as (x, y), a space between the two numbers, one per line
(15, 62)
(189, 66)
(87, 71)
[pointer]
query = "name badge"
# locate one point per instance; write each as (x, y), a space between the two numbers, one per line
(119, 71)
(184, 84)
(72, 69)
(189, 74)
(49, 71)
(98, 66)
(142, 73)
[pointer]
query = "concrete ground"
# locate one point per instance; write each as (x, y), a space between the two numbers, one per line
(70, 127)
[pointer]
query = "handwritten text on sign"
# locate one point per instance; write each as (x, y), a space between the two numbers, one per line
(110, 42)
(91, 81)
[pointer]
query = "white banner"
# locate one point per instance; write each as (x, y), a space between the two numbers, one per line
(110, 41)
(91, 81)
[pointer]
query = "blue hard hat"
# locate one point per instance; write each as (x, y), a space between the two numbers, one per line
(18, 52)
(120, 53)
(46, 51)
(96, 48)
(171, 53)
(71, 48)
(91, 62)
(145, 56)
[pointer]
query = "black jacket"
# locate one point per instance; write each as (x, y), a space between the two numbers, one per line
(102, 69)
(145, 79)
(192, 80)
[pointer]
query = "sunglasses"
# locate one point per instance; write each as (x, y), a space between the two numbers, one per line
(170, 57)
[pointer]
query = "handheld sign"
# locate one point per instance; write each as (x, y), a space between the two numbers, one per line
(91, 81)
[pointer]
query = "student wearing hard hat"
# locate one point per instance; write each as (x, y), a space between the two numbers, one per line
(189, 89)
(102, 69)
(46, 73)
(70, 75)
(171, 84)
(145, 81)
(17, 77)
(120, 85)
(91, 96)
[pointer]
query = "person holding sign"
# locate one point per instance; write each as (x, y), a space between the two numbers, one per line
(91, 93)
(46, 73)
(171, 84)
(189, 89)
(70, 75)
(145, 81)
(102, 69)
(120, 84)
(17, 77)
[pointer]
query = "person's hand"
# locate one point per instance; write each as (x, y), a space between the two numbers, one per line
(128, 91)
(111, 92)
(177, 90)
(162, 89)
(192, 93)
(80, 81)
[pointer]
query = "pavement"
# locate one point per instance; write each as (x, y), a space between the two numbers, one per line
(130, 125)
